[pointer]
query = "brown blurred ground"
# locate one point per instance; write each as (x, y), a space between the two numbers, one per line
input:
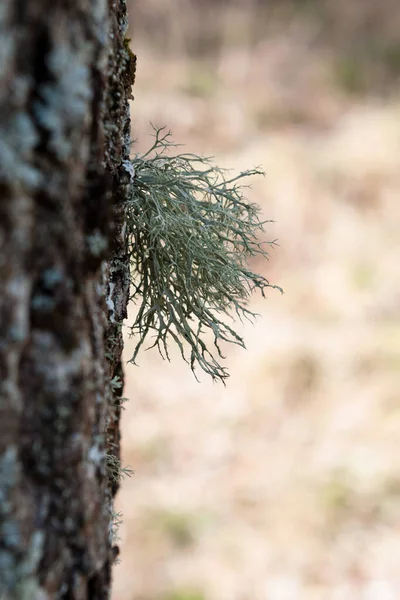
(285, 485)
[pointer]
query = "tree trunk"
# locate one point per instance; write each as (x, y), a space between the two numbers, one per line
(65, 80)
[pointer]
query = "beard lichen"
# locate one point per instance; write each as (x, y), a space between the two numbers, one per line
(191, 234)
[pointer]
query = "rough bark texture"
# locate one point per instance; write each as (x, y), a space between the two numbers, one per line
(65, 80)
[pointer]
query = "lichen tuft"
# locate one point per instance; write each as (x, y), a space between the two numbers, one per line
(191, 234)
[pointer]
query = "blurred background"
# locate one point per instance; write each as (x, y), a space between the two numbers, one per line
(286, 484)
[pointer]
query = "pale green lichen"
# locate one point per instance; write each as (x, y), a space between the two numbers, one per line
(116, 383)
(64, 100)
(191, 234)
(115, 524)
(18, 580)
(17, 143)
(96, 243)
(116, 470)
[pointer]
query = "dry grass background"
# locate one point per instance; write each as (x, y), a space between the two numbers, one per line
(286, 484)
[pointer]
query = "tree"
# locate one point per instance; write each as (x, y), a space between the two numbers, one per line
(65, 79)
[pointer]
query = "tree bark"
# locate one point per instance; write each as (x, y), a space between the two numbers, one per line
(65, 81)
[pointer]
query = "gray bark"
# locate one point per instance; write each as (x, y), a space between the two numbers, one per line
(65, 80)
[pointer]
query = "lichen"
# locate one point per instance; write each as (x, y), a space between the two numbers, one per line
(64, 101)
(116, 470)
(17, 142)
(191, 233)
(17, 577)
(131, 60)
(110, 302)
(97, 243)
